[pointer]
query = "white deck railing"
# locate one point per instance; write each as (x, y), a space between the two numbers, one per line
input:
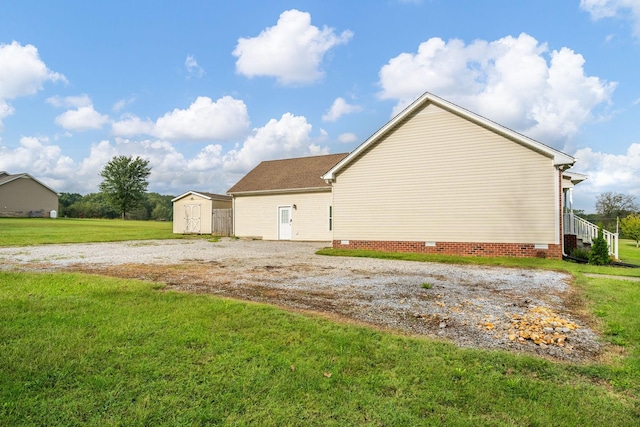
(587, 231)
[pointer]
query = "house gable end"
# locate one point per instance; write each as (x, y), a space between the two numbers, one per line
(441, 178)
(422, 103)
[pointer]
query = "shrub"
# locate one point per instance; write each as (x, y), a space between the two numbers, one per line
(599, 254)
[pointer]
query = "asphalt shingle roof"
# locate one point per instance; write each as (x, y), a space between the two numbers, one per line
(288, 174)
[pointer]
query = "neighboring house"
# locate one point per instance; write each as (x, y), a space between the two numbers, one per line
(21, 195)
(285, 200)
(202, 213)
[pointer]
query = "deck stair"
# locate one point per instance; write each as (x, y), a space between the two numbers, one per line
(587, 232)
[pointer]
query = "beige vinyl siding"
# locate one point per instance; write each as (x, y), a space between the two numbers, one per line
(24, 195)
(205, 213)
(257, 216)
(438, 177)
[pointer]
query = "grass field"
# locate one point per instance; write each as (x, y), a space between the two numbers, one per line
(628, 251)
(38, 231)
(89, 350)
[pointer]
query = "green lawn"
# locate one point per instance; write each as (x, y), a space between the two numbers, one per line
(89, 350)
(628, 251)
(37, 231)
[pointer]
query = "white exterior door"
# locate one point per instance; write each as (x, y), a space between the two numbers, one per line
(284, 222)
(191, 219)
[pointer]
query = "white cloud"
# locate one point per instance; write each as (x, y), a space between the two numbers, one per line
(211, 169)
(225, 119)
(171, 173)
(600, 9)
(37, 157)
(317, 150)
(120, 104)
(70, 101)
(82, 119)
(205, 120)
(287, 137)
(291, 51)
(131, 125)
(339, 108)
(22, 73)
(608, 172)
(210, 157)
(508, 80)
(347, 138)
(193, 69)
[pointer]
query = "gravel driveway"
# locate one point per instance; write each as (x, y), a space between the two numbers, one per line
(520, 310)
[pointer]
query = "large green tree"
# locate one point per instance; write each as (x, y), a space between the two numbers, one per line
(125, 182)
(631, 227)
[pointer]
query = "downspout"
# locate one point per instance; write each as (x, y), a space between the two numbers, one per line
(233, 215)
(564, 254)
(561, 169)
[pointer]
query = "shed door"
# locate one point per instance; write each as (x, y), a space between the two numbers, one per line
(192, 218)
(284, 222)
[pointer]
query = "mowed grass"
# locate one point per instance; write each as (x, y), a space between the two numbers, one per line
(88, 350)
(37, 231)
(628, 251)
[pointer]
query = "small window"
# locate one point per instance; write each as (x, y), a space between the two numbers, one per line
(330, 218)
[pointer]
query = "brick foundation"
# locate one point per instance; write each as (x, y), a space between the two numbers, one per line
(517, 250)
(570, 242)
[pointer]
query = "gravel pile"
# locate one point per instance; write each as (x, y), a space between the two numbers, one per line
(473, 306)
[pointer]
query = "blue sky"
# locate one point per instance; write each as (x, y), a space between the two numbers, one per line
(207, 89)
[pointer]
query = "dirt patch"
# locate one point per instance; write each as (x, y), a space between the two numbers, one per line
(481, 307)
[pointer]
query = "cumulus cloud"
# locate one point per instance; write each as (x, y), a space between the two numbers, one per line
(70, 101)
(339, 108)
(131, 125)
(347, 138)
(287, 137)
(509, 80)
(210, 169)
(193, 69)
(600, 9)
(607, 172)
(171, 173)
(203, 120)
(291, 51)
(37, 157)
(82, 119)
(122, 103)
(22, 73)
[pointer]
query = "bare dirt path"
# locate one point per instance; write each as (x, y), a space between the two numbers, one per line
(520, 310)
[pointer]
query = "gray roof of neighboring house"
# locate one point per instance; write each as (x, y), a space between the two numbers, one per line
(288, 174)
(6, 177)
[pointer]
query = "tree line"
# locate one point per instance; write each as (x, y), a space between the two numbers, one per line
(153, 206)
(616, 212)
